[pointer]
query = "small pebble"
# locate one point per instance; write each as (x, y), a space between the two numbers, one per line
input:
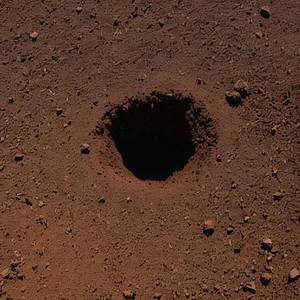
(250, 286)
(266, 278)
(85, 148)
(267, 243)
(265, 11)
(157, 296)
(78, 9)
(233, 98)
(278, 196)
(294, 274)
(242, 87)
(230, 229)
(23, 289)
(19, 156)
(34, 35)
(59, 111)
(208, 227)
(4, 273)
(129, 295)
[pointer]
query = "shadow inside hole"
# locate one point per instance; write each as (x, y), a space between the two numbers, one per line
(154, 138)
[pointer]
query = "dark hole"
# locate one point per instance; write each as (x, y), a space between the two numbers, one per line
(154, 137)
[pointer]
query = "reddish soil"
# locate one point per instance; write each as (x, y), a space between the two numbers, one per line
(75, 223)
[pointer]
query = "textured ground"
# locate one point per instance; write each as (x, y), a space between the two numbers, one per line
(81, 226)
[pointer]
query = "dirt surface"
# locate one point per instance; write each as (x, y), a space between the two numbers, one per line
(76, 223)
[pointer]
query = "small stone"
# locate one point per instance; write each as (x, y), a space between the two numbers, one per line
(157, 296)
(250, 286)
(200, 81)
(246, 219)
(265, 278)
(208, 227)
(4, 273)
(41, 204)
(267, 244)
(129, 295)
(269, 258)
(85, 148)
(278, 196)
(161, 22)
(233, 98)
(294, 274)
(230, 229)
(47, 264)
(275, 249)
(242, 87)
(59, 111)
(34, 35)
(19, 156)
(78, 9)
(265, 11)
(23, 289)
(259, 34)
(11, 100)
(204, 287)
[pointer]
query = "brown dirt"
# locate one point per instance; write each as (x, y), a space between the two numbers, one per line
(76, 223)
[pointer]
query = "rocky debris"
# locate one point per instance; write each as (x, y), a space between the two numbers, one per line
(250, 286)
(267, 244)
(59, 111)
(11, 100)
(233, 98)
(200, 81)
(259, 34)
(33, 36)
(265, 278)
(265, 11)
(129, 294)
(294, 274)
(161, 22)
(19, 156)
(78, 9)
(278, 196)
(23, 289)
(85, 148)
(5, 273)
(157, 296)
(208, 227)
(275, 249)
(246, 219)
(242, 87)
(204, 287)
(230, 229)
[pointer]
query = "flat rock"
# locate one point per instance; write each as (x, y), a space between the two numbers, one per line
(34, 35)
(4, 273)
(250, 286)
(294, 274)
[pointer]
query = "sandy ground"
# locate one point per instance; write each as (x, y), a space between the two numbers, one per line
(79, 225)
